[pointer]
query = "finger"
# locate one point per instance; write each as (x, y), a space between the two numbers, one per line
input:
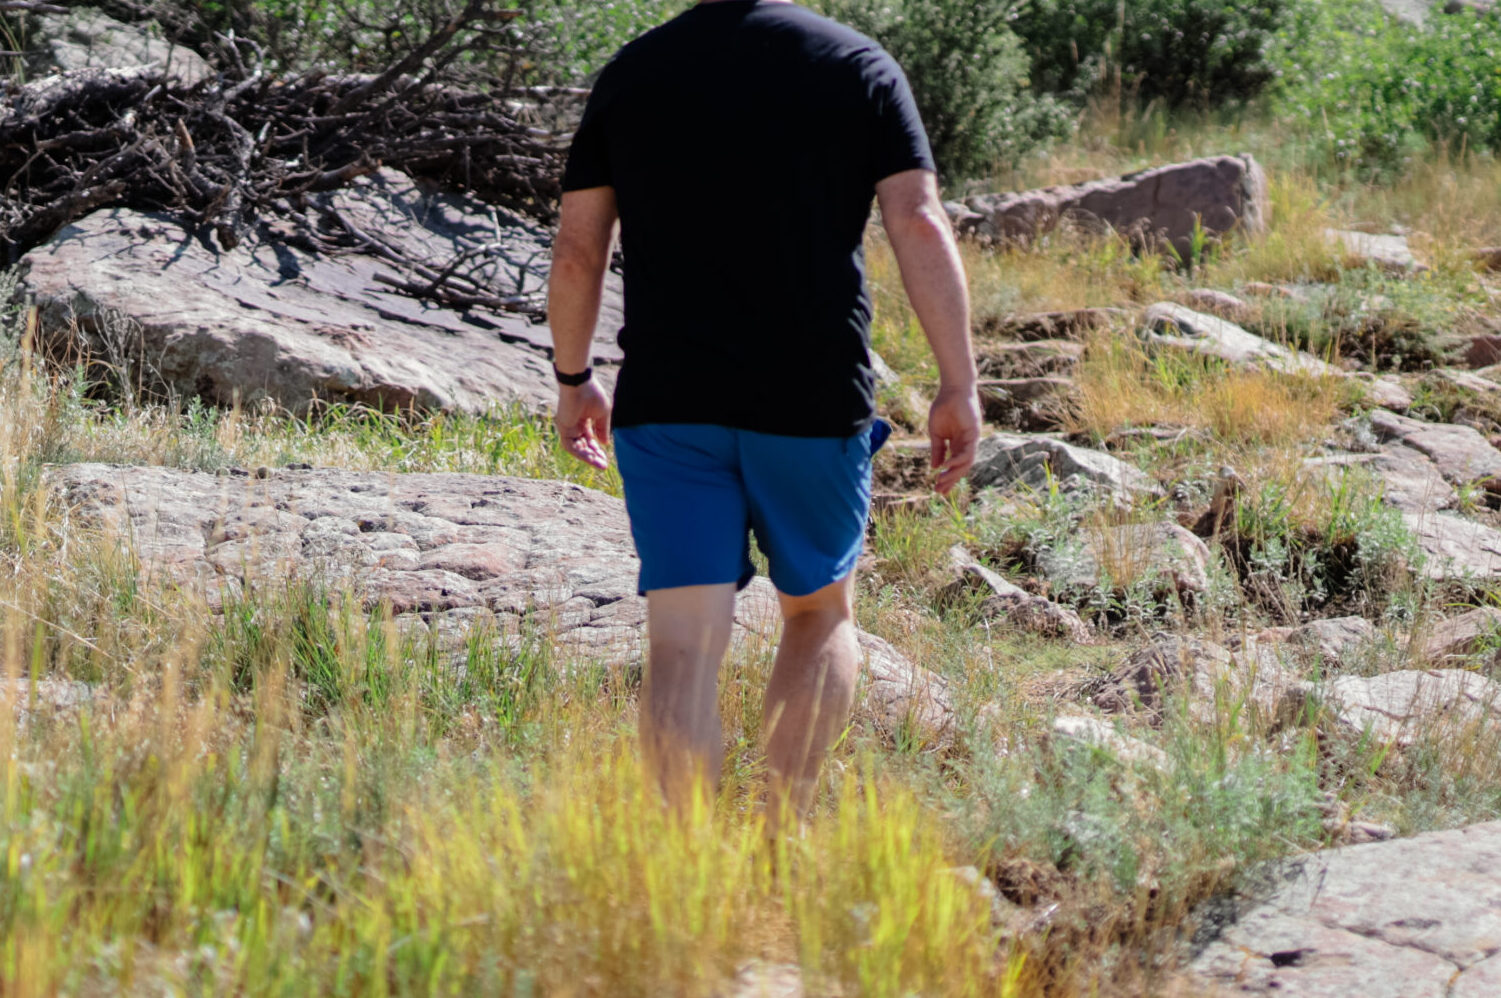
(948, 478)
(937, 449)
(583, 449)
(962, 452)
(602, 424)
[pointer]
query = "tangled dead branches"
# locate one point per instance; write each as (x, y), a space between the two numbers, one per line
(221, 154)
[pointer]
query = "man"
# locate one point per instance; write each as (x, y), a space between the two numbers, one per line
(739, 146)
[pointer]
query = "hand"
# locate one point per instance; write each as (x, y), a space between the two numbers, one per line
(954, 433)
(583, 421)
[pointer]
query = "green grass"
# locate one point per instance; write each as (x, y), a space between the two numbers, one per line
(292, 795)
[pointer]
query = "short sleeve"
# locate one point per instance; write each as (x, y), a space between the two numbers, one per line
(900, 143)
(589, 155)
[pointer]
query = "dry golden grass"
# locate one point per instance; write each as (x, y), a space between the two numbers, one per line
(1120, 386)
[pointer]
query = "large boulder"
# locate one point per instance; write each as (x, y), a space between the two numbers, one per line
(1400, 919)
(1162, 204)
(83, 38)
(271, 319)
(444, 552)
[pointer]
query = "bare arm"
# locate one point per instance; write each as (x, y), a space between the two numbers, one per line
(580, 256)
(933, 275)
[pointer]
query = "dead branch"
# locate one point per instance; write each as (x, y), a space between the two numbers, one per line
(248, 148)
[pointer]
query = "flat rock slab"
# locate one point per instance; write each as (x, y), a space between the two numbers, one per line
(1455, 549)
(1168, 324)
(1406, 478)
(1403, 918)
(1385, 252)
(1401, 707)
(444, 552)
(271, 320)
(1460, 453)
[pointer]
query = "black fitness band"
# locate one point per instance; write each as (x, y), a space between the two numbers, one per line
(572, 380)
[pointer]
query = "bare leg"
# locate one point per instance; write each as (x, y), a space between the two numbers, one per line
(809, 696)
(688, 629)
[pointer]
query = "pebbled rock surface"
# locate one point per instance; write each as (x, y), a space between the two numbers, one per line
(444, 551)
(1163, 203)
(1404, 918)
(271, 320)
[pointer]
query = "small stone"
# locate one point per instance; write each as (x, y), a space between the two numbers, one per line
(1265, 290)
(1332, 640)
(263, 472)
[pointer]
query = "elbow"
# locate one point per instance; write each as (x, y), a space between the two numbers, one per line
(572, 262)
(922, 225)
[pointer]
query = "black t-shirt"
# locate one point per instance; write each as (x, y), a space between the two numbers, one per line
(744, 139)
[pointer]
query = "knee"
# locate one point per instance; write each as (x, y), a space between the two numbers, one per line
(832, 604)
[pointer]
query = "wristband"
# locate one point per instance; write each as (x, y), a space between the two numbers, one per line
(572, 380)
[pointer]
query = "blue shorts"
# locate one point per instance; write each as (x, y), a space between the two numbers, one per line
(694, 492)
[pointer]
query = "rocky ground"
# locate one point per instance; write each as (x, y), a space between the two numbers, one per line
(1243, 512)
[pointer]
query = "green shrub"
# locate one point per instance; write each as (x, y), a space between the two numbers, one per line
(1380, 91)
(1197, 53)
(555, 42)
(969, 77)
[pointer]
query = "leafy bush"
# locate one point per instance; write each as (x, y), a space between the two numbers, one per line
(969, 77)
(1380, 91)
(556, 42)
(1203, 53)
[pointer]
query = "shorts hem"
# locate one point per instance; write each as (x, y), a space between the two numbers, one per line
(740, 584)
